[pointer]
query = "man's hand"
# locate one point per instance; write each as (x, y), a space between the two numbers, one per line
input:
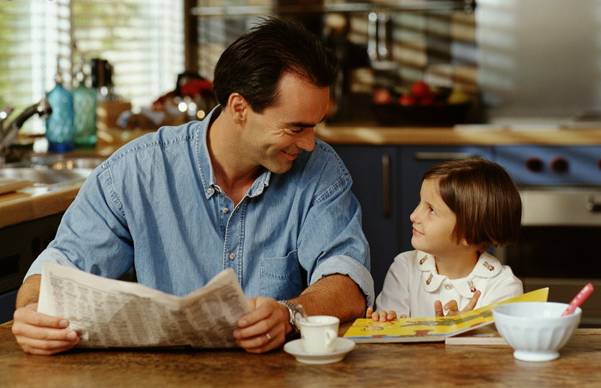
(265, 327)
(42, 334)
(451, 307)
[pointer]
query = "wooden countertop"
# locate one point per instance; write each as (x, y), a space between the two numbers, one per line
(468, 135)
(367, 365)
(32, 203)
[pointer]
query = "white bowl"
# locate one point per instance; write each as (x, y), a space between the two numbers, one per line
(535, 330)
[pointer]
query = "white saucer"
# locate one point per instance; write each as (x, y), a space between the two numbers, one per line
(342, 347)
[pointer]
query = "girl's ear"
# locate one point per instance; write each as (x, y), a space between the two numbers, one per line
(239, 107)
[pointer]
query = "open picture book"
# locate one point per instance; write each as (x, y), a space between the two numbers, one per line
(432, 329)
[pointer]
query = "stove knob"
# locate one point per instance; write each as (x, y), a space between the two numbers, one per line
(535, 164)
(559, 165)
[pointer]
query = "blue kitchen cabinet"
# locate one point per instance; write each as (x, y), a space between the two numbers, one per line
(7, 305)
(375, 173)
(21, 244)
(414, 162)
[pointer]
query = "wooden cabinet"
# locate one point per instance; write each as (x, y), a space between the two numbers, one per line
(386, 181)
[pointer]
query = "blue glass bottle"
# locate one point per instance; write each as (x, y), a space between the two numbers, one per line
(84, 102)
(60, 130)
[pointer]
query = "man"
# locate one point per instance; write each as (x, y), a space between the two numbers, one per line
(247, 188)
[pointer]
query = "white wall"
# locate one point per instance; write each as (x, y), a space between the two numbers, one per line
(539, 58)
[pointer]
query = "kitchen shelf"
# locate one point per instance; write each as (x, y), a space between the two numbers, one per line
(410, 5)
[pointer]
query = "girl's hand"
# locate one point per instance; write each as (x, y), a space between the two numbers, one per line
(380, 316)
(451, 306)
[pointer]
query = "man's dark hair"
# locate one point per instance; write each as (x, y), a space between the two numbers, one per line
(255, 62)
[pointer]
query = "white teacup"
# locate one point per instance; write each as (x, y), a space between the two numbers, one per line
(319, 333)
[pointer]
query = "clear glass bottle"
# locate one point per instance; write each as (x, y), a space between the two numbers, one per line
(60, 130)
(84, 103)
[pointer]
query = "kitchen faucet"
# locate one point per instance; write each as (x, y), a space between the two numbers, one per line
(9, 131)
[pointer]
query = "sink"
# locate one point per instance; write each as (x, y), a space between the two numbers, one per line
(59, 162)
(46, 176)
(51, 171)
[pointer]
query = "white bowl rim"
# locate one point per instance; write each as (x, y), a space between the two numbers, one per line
(496, 311)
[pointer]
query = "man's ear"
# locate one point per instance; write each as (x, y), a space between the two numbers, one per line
(239, 107)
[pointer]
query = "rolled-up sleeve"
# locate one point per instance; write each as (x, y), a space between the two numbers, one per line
(93, 235)
(332, 240)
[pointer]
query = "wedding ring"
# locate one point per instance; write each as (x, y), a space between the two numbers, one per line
(268, 336)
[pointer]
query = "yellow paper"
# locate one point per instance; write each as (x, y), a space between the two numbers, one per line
(429, 329)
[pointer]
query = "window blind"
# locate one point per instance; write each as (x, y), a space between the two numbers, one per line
(143, 40)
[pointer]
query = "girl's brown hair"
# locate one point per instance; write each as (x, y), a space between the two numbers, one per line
(484, 199)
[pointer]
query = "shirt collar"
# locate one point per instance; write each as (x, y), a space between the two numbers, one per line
(486, 267)
(206, 167)
(427, 264)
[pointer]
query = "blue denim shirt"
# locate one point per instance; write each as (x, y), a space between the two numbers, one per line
(154, 204)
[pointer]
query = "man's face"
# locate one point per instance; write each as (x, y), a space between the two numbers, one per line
(275, 137)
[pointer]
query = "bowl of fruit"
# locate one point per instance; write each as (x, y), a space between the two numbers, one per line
(421, 105)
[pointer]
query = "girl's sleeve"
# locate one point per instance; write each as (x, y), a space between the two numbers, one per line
(395, 292)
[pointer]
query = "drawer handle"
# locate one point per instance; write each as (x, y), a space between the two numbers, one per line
(386, 184)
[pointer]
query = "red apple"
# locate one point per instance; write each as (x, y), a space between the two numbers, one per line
(420, 89)
(381, 96)
(407, 100)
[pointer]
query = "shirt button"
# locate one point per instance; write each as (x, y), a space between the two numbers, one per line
(232, 255)
(225, 210)
(210, 191)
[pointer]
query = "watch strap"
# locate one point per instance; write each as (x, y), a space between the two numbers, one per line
(295, 312)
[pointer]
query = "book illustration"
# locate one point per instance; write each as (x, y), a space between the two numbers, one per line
(432, 329)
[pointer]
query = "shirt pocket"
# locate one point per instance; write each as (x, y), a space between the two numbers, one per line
(281, 276)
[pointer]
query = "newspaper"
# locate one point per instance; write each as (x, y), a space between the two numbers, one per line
(113, 313)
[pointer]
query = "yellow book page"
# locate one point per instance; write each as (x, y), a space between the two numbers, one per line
(432, 328)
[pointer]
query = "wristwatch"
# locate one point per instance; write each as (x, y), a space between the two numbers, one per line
(295, 313)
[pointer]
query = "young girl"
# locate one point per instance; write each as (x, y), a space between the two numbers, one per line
(465, 207)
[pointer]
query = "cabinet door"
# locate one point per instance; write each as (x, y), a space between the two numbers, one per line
(415, 161)
(375, 170)
(7, 305)
(20, 245)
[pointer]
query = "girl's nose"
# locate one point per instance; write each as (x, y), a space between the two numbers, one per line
(413, 215)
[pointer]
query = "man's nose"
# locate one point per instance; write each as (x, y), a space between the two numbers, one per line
(306, 141)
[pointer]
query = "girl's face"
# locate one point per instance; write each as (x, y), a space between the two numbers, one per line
(433, 222)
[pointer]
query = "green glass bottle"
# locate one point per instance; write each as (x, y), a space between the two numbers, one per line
(84, 103)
